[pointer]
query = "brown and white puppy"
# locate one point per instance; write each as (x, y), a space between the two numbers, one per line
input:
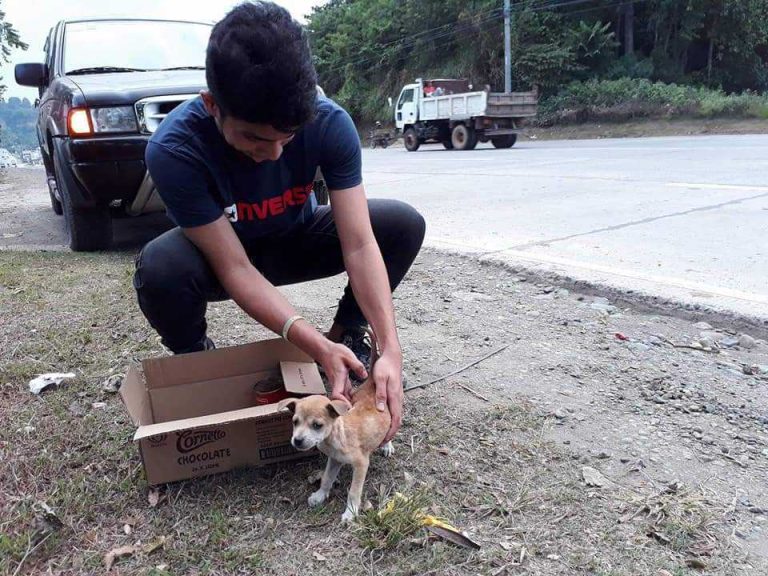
(345, 435)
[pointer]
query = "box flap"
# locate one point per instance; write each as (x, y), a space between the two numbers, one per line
(220, 363)
(203, 421)
(135, 396)
(302, 378)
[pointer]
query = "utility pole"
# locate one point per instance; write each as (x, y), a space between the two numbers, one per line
(507, 48)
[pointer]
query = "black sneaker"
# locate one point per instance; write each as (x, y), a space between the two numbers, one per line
(357, 340)
(204, 344)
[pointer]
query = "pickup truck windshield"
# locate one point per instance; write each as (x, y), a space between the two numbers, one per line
(132, 45)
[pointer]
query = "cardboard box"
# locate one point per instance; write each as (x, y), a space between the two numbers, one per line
(196, 414)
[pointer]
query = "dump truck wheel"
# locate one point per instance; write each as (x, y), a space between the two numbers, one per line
(463, 137)
(506, 141)
(411, 140)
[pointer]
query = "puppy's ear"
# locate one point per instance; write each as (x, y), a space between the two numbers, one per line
(337, 408)
(289, 403)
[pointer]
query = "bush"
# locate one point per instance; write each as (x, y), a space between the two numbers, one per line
(627, 98)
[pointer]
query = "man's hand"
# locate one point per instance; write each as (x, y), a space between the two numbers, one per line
(337, 360)
(388, 377)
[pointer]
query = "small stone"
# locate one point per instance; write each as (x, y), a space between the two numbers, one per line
(603, 455)
(746, 341)
(728, 342)
(99, 405)
(703, 326)
(638, 347)
(560, 414)
(562, 293)
(113, 383)
(76, 409)
(592, 477)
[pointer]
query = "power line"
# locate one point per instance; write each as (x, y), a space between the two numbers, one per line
(465, 26)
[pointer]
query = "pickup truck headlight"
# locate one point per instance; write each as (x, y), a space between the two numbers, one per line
(118, 119)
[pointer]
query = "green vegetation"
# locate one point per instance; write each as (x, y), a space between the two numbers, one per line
(652, 53)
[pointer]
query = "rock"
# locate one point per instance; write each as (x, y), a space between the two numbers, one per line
(746, 341)
(76, 409)
(112, 384)
(728, 342)
(638, 347)
(592, 477)
(560, 414)
(703, 326)
(751, 370)
(603, 455)
(562, 293)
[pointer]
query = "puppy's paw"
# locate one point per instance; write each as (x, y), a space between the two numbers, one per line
(317, 498)
(348, 516)
(388, 449)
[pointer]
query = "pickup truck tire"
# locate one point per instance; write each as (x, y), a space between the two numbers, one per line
(463, 137)
(411, 140)
(89, 229)
(506, 141)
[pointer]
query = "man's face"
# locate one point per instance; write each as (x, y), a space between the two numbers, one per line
(259, 142)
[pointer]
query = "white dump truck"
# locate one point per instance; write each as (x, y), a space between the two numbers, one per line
(459, 116)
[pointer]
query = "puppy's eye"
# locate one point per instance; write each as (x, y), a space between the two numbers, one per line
(317, 425)
(295, 421)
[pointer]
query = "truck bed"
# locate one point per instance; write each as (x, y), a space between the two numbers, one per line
(474, 104)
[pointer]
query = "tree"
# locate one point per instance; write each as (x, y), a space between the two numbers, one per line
(9, 39)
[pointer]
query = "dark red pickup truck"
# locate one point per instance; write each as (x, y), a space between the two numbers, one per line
(104, 88)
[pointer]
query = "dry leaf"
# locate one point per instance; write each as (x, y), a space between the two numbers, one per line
(154, 497)
(506, 545)
(112, 555)
(152, 546)
(319, 557)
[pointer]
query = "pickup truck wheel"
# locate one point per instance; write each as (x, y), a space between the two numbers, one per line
(89, 229)
(411, 140)
(506, 141)
(463, 137)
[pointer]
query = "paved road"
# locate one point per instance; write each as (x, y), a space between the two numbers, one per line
(683, 217)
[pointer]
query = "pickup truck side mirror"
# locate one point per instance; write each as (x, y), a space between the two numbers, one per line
(34, 75)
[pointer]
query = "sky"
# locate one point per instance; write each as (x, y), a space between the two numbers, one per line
(34, 18)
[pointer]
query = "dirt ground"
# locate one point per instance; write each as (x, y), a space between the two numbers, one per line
(598, 441)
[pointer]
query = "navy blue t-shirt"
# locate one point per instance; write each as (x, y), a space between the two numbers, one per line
(200, 177)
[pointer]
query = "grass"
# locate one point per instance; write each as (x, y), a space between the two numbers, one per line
(487, 468)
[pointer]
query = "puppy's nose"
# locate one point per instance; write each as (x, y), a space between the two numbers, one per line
(298, 442)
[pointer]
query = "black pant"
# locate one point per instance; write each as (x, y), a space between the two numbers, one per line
(174, 282)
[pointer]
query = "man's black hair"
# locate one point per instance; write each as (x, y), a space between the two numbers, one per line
(259, 67)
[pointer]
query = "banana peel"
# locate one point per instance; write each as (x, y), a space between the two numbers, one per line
(448, 532)
(433, 524)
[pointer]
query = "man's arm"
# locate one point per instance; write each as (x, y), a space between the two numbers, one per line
(265, 303)
(370, 285)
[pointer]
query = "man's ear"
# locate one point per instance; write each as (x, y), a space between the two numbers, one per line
(289, 403)
(337, 408)
(210, 103)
